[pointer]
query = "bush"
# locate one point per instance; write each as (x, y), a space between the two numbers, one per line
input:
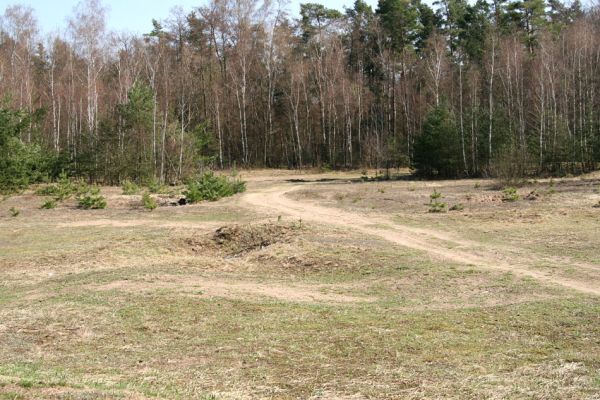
(155, 186)
(212, 188)
(48, 190)
(510, 195)
(48, 205)
(238, 186)
(597, 205)
(435, 205)
(14, 212)
(82, 188)
(91, 198)
(62, 190)
(66, 187)
(148, 202)
(130, 188)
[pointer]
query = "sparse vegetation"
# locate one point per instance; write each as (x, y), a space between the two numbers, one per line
(14, 212)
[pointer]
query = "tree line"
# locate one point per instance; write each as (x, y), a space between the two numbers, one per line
(458, 89)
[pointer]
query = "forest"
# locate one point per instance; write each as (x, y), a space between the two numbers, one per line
(457, 89)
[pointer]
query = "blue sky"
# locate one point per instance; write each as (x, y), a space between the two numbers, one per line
(132, 15)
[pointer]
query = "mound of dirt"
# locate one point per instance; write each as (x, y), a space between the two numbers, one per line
(234, 240)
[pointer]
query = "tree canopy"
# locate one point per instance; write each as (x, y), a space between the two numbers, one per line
(245, 83)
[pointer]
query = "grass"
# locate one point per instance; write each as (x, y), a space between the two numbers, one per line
(86, 311)
(351, 346)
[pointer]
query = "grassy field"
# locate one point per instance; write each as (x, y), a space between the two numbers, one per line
(230, 300)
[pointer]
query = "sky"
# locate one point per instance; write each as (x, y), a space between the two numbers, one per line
(133, 16)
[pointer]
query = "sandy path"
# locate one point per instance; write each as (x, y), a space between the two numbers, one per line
(274, 201)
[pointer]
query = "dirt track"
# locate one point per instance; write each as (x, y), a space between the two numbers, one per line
(273, 199)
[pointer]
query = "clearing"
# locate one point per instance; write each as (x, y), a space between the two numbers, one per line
(307, 286)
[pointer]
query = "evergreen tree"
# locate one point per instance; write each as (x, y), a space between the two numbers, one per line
(136, 116)
(400, 19)
(21, 164)
(437, 150)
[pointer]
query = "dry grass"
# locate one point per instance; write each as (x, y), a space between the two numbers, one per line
(120, 303)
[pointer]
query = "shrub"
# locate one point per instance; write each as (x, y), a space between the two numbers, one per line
(238, 186)
(597, 205)
(82, 188)
(435, 205)
(66, 187)
(63, 189)
(14, 212)
(154, 186)
(91, 199)
(48, 190)
(212, 188)
(130, 188)
(435, 195)
(48, 205)
(148, 202)
(510, 195)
